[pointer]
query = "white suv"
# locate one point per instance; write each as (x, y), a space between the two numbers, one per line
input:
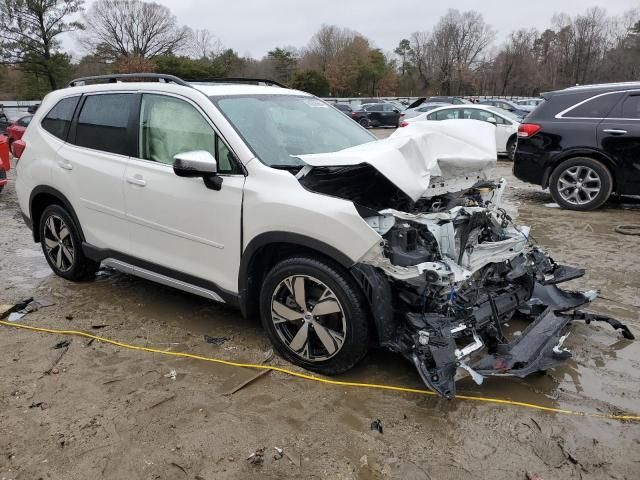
(270, 199)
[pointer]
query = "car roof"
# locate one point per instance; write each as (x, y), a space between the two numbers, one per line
(209, 89)
(595, 88)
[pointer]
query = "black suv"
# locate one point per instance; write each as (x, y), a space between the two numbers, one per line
(377, 115)
(583, 143)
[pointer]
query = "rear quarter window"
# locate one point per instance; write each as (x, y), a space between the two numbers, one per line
(596, 107)
(58, 120)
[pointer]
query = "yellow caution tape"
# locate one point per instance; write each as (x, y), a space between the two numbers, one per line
(327, 381)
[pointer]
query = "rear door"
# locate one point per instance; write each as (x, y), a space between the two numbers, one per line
(619, 136)
(91, 165)
(175, 222)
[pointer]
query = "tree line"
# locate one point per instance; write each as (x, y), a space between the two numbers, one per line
(460, 55)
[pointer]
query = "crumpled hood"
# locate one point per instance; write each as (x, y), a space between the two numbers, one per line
(413, 155)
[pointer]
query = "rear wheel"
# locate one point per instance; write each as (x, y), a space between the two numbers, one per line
(314, 315)
(62, 245)
(581, 183)
(364, 122)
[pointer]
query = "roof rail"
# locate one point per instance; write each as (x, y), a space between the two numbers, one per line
(144, 77)
(257, 81)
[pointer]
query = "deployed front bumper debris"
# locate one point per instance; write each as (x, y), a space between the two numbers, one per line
(450, 276)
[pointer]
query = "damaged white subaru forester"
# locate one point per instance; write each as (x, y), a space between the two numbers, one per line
(270, 199)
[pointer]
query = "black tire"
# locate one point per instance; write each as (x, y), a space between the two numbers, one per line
(354, 316)
(63, 249)
(364, 122)
(511, 148)
(599, 177)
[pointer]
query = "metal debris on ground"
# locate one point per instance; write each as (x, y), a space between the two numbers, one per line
(216, 340)
(377, 425)
(260, 373)
(552, 205)
(279, 453)
(62, 344)
(20, 309)
(64, 347)
(257, 457)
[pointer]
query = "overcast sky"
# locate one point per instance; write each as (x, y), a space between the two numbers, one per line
(253, 27)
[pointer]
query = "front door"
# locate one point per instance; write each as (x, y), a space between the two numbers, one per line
(178, 223)
(619, 136)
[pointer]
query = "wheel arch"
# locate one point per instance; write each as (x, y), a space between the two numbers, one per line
(598, 155)
(264, 250)
(41, 197)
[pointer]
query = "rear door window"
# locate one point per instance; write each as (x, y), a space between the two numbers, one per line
(103, 121)
(58, 120)
(631, 107)
(596, 107)
(449, 114)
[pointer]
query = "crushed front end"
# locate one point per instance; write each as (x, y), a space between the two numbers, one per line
(451, 269)
(458, 269)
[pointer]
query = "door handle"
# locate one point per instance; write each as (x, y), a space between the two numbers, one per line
(614, 131)
(137, 180)
(65, 165)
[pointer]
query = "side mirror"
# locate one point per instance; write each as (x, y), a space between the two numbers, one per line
(198, 163)
(492, 120)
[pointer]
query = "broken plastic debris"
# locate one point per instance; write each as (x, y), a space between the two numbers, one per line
(552, 205)
(172, 375)
(279, 453)
(15, 316)
(474, 375)
(257, 457)
(377, 425)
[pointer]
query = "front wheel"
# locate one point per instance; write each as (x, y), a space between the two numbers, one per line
(511, 148)
(580, 183)
(62, 245)
(314, 315)
(364, 122)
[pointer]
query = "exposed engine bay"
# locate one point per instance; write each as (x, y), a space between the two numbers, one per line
(450, 273)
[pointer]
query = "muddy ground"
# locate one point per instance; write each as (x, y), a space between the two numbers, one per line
(108, 412)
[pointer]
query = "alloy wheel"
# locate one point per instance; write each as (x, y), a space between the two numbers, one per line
(58, 243)
(308, 318)
(579, 185)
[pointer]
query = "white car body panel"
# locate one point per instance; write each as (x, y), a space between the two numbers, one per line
(274, 201)
(413, 155)
(502, 131)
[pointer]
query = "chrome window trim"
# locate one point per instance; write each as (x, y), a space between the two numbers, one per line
(561, 115)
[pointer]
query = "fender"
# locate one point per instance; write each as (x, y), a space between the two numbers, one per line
(268, 238)
(46, 189)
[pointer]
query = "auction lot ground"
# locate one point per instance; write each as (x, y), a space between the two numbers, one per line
(114, 413)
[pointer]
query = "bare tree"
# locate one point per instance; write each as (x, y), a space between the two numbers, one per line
(123, 28)
(327, 43)
(30, 30)
(201, 43)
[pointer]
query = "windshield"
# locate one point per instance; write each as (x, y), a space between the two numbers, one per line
(507, 113)
(280, 127)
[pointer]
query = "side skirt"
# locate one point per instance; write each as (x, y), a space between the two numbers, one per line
(157, 273)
